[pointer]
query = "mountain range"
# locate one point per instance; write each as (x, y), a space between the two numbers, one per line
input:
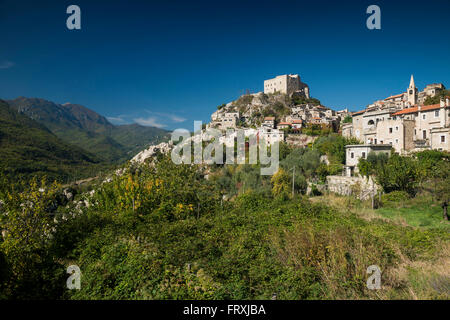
(28, 148)
(83, 127)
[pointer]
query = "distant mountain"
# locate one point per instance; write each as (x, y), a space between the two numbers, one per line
(29, 148)
(87, 129)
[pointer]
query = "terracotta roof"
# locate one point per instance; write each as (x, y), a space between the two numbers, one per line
(297, 121)
(358, 112)
(316, 118)
(406, 111)
(416, 109)
(430, 107)
(269, 118)
(395, 96)
(288, 123)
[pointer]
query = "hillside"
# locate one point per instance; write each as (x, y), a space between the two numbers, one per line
(78, 125)
(29, 148)
(252, 108)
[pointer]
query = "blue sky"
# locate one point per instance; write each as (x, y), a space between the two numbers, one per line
(167, 63)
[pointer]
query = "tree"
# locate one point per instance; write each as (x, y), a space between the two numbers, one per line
(442, 186)
(399, 173)
(437, 98)
(365, 167)
(280, 184)
(28, 229)
(347, 119)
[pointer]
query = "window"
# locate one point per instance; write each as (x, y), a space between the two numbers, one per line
(424, 134)
(396, 141)
(396, 128)
(436, 113)
(390, 130)
(352, 155)
(424, 116)
(364, 155)
(442, 139)
(415, 132)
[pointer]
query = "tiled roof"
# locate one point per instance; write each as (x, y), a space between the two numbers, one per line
(297, 121)
(406, 111)
(430, 107)
(281, 123)
(395, 96)
(269, 118)
(358, 112)
(416, 109)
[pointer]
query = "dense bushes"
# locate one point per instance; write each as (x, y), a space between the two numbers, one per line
(408, 173)
(166, 232)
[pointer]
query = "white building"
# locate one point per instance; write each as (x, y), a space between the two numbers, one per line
(355, 152)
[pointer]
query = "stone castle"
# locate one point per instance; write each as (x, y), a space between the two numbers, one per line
(288, 84)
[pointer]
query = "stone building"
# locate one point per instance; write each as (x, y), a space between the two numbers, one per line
(355, 152)
(287, 84)
(229, 120)
(269, 122)
(403, 122)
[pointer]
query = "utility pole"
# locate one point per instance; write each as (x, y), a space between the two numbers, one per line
(293, 180)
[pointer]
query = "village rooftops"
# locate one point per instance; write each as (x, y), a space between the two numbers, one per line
(358, 112)
(269, 118)
(395, 96)
(373, 146)
(417, 109)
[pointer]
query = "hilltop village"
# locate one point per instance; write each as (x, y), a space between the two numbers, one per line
(283, 111)
(408, 122)
(411, 121)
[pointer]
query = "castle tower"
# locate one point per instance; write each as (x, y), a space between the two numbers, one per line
(412, 92)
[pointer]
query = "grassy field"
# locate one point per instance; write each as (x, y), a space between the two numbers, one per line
(428, 276)
(418, 212)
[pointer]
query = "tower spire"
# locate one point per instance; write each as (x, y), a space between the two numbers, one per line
(411, 82)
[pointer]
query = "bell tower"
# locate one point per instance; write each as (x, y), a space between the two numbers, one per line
(412, 92)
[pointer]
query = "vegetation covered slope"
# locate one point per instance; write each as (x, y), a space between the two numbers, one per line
(30, 149)
(80, 126)
(165, 232)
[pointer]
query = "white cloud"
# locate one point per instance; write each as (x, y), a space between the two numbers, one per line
(118, 119)
(172, 117)
(6, 64)
(149, 122)
(176, 118)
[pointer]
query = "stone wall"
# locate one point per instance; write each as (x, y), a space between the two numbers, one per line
(300, 140)
(349, 185)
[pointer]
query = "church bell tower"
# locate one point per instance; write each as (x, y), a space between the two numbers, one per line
(412, 92)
